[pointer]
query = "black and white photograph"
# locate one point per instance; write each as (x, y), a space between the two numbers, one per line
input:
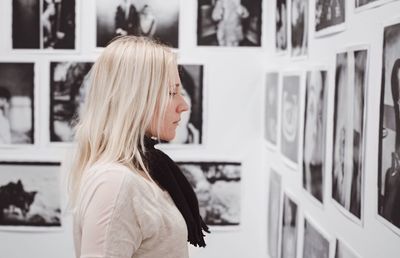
(274, 211)
(190, 128)
(389, 130)
(229, 23)
(299, 21)
(349, 130)
(281, 26)
(315, 244)
(68, 87)
(290, 222)
(157, 19)
(44, 24)
(343, 251)
(361, 5)
(330, 16)
(29, 196)
(17, 81)
(217, 186)
(290, 117)
(271, 107)
(315, 119)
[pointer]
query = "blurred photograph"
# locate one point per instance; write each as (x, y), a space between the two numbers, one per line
(157, 19)
(271, 107)
(315, 244)
(281, 26)
(299, 27)
(217, 187)
(343, 251)
(329, 16)
(229, 23)
(17, 103)
(289, 228)
(274, 211)
(367, 4)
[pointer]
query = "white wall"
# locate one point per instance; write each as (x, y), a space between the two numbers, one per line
(234, 81)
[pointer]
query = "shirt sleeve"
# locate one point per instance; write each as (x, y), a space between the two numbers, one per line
(109, 225)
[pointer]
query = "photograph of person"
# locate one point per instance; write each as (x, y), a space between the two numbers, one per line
(156, 19)
(299, 27)
(389, 128)
(290, 117)
(348, 131)
(315, 244)
(329, 16)
(190, 128)
(229, 23)
(16, 103)
(274, 212)
(315, 114)
(343, 251)
(281, 26)
(290, 224)
(44, 24)
(271, 107)
(29, 194)
(217, 187)
(67, 87)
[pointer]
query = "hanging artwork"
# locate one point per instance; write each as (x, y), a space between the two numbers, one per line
(330, 16)
(361, 5)
(343, 251)
(315, 243)
(299, 18)
(290, 225)
(271, 107)
(281, 26)
(274, 211)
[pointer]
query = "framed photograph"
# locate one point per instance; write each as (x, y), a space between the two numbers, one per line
(68, 87)
(17, 82)
(281, 26)
(343, 251)
(290, 118)
(44, 24)
(389, 130)
(330, 17)
(29, 196)
(315, 120)
(316, 244)
(271, 107)
(361, 5)
(229, 23)
(274, 212)
(158, 19)
(349, 121)
(290, 227)
(217, 186)
(299, 18)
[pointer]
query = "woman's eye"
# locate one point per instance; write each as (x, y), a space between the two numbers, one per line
(173, 94)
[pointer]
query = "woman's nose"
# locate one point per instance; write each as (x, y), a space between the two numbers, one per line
(183, 106)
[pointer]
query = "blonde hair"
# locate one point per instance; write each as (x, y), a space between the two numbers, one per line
(129, 85)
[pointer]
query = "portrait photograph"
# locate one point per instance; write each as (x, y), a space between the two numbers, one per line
(44, 24)
(271, 107)
(217, 187)
(299, 21)
(157, 19)
(290, 117)
(290, 222)
(343, 251)
(190, 129)
(29, 196)
(281, 26)
(315, 119)
(17, 83)
(274, 212)
(389, 130)
(315, 243)
(68, 88)
(361, 5)
(330, 16)
(349, 131)
(229, 23)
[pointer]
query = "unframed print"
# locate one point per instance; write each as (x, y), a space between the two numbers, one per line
(289, 228)
(158, 19)
(342, 251)
(299, 27)
(349, 127)
(217, 186)
(315, 118)
(17, 103)
(271, 107)
(229, 23)
(389, 129)
(290, 117)
(315, 244)
(68, 87)
(330, 16)
(29, 195)
(281, 26)
(274, 211)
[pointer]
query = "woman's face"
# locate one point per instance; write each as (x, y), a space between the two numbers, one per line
(175, 107)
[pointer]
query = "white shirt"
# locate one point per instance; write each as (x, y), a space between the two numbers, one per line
(121, 214)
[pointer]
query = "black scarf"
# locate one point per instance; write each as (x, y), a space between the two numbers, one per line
(168, 175)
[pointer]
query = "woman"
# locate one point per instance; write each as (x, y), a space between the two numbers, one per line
(130, 199)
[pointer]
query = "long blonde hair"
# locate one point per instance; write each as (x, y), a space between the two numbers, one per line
(129, 85)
